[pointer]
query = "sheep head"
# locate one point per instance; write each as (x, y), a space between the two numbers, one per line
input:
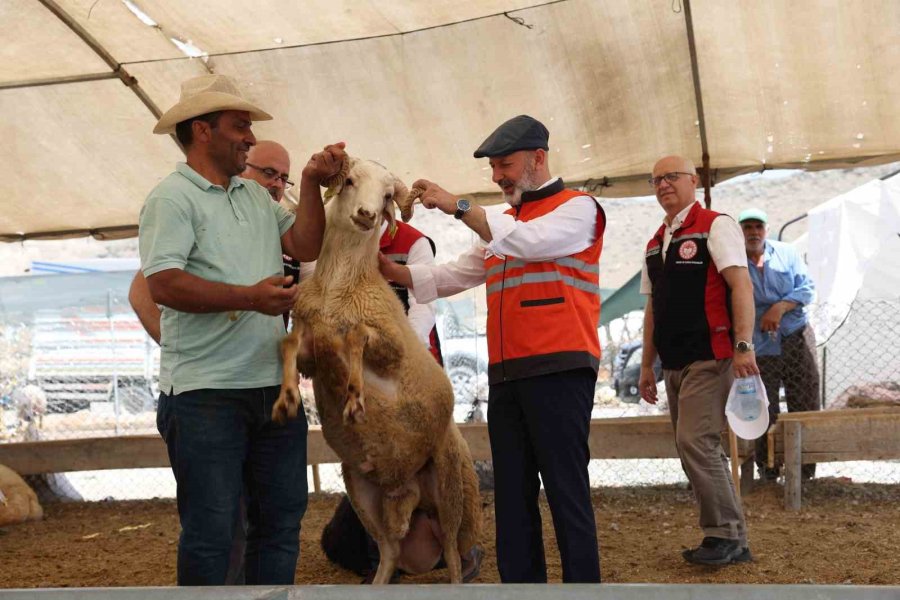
(361, 199)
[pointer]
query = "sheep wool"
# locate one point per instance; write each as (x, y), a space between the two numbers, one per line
(18, 502)
(385, 404)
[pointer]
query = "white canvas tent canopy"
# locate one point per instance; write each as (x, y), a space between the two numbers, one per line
(417, 85)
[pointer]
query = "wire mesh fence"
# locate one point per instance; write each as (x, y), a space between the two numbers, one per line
(91, 371)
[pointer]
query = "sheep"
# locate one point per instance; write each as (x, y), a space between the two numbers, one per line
(31, 406)
(385, 404)
(18, 502)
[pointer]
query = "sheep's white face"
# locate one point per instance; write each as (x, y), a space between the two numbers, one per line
(365, 198)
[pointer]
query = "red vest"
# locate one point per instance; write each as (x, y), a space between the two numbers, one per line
(691, 304)
(543, 316)
(395, 244)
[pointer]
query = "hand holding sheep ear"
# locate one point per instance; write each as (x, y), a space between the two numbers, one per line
(434, 196)
(385, 403)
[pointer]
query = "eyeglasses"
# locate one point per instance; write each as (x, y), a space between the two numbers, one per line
(273, 174)
(670, 177)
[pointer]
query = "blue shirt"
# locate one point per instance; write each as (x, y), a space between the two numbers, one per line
(783, 277)
(226, 235)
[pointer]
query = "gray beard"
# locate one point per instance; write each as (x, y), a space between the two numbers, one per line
(525, 184)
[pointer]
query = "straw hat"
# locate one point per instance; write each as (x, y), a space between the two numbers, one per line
(206, 94)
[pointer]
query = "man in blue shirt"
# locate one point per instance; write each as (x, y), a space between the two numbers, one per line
(784, 340)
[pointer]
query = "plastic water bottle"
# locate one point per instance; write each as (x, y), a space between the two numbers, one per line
(747, 402)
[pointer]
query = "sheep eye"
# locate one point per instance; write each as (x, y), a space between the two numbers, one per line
(387, 197)
(348, 181)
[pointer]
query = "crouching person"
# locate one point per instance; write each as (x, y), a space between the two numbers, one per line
(346, 544)
(211, 248)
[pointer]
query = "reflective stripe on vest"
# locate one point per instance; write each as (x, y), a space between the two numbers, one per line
(543, 316)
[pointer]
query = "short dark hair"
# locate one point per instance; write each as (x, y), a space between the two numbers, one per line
(184, 130)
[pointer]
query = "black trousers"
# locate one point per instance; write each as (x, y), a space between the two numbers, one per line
(540, 425)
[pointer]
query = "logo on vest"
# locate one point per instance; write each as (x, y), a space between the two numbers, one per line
(688, 250)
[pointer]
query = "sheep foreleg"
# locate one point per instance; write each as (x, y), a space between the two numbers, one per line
(355, 407)
(288, 403)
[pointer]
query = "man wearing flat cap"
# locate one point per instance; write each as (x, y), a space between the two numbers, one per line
(539, 261)
(783, 337)
(211, 248)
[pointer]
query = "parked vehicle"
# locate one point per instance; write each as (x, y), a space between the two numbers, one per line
(627, 371)
(86, 357)
(465, 353)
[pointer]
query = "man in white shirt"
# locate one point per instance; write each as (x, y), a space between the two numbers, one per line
(540, 263)
(692, 263)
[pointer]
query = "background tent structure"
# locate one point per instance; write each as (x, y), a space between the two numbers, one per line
(853, 250)
(417, 84)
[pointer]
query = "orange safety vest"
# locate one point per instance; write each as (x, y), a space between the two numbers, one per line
(543, 316)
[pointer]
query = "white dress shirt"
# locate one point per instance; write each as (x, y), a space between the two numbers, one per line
(725, 242)
(420, 316)
(567, 230)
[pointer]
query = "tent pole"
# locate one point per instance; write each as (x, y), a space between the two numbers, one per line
(102, 52)
(705, 175)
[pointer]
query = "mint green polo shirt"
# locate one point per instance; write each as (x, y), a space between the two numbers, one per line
(230, 236)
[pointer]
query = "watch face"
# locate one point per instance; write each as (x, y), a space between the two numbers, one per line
(462, 204)
(742, 347)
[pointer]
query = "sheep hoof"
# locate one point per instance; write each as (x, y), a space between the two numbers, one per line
(286, 406)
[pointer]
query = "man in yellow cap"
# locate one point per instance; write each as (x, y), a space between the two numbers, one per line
(211, 245)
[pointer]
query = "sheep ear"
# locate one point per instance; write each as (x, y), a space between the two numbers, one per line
(335, 183)
(389, 216)
(403, 200)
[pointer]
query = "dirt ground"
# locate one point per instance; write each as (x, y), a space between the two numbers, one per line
(846, 533)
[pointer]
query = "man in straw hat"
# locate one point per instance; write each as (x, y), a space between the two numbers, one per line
(211, 245)
(693, 263)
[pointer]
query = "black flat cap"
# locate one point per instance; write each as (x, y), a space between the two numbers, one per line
(519, 133)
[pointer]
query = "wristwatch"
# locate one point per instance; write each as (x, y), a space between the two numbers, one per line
(462, 207)
(743, 347)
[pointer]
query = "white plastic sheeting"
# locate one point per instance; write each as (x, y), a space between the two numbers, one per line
(854, 250)
(417, 85)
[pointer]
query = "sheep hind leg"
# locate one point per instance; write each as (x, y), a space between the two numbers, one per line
(368, 502)
(446, 490)
(288, 403)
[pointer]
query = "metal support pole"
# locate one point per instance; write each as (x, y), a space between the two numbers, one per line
(112, 353)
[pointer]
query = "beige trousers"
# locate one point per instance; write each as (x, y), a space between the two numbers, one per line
(697, 396)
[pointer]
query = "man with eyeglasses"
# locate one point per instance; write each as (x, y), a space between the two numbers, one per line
(269, 165)
(210, 243)
(693, 263)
